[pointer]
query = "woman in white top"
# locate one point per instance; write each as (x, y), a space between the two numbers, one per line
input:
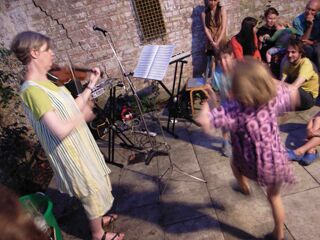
(60, 124)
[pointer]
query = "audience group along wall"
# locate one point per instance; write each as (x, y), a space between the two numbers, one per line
(69, 23)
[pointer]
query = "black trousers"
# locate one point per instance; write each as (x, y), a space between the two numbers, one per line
(306, 100)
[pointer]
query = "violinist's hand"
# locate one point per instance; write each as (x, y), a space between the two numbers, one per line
(94, 76)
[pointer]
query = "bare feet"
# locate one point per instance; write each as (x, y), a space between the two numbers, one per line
(108, 219)
(245, 188)
(109, 236)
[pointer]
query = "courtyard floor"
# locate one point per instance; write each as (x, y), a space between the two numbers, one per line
(179, 207)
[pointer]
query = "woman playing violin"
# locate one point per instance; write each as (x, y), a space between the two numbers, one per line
(59, 121)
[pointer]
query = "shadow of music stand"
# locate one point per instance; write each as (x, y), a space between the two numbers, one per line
(153, 63)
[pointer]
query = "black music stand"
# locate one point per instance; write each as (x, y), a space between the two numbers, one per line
(152, 152)
(174, 97)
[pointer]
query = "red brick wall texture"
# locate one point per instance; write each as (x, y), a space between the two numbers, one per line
(69, 23)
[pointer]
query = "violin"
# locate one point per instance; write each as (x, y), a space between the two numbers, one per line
(62, 75)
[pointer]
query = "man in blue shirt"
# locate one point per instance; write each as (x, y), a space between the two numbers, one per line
(307, 25)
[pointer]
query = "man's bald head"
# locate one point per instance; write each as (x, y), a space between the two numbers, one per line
(312, 8)
(314, 4)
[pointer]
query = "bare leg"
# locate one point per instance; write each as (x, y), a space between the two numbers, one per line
(275, 200)
(242, 180)
(225, 135)
(309, 146)
(97, 230)
(268, 57)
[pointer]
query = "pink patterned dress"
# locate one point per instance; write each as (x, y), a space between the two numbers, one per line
(256, 145)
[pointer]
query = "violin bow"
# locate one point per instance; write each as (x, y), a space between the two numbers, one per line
(76, 82)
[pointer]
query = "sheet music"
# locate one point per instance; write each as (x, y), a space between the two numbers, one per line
(154, 61)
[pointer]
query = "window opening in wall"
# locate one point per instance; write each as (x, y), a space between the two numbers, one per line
(150, 18)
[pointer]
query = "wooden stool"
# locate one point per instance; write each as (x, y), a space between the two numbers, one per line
(194, 85)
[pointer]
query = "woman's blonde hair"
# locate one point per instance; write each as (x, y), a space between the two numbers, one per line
(24, 42)
(252, 83)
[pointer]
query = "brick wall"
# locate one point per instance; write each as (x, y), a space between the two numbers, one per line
(69, 23)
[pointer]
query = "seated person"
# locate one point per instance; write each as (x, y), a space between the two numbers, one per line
(267, 30)
(308, 153)
(280, 39)
(299, 72)
(307, 25)
(245, 43)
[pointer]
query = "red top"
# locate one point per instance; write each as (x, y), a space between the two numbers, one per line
(238, 51)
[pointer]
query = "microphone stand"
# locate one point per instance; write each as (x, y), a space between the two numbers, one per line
(152, 152)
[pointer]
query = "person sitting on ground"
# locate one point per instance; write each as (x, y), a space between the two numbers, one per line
(280, 39)
(15, 223)
(267, 30)
(299, 72)
(307, 153)
(245, 43)
(307, 25)
(214, 20)
(221, 78)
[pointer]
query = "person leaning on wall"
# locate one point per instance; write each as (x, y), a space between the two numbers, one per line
(214, 20)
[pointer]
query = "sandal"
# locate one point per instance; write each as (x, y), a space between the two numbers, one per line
(309, 158)
(115, 237)
(294, 157)
(270, 236)
(112, 218)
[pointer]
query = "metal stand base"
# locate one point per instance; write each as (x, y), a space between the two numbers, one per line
(174, 167)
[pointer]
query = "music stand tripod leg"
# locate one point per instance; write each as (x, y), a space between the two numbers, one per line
(174, 167)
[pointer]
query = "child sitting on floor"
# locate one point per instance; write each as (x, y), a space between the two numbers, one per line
(251, 118)
(280, 39)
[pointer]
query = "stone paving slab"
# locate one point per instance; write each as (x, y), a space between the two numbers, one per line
(184, 198)
(205, 227)
(314, 170)
(302, 210)
(304, 181)
(189, 209)
(141, 223)
(243, 216)
(216, 170)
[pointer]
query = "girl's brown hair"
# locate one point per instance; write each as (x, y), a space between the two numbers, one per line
(217, 15)
(24, 42)
(252, 83)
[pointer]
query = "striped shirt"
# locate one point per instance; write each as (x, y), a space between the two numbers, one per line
(76, 160)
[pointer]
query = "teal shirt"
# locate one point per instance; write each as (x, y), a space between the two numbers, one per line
(281, 37)
(300, 24)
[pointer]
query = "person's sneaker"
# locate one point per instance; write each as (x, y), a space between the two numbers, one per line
(226, 149)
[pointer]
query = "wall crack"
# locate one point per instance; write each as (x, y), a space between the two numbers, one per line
(53, 19)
